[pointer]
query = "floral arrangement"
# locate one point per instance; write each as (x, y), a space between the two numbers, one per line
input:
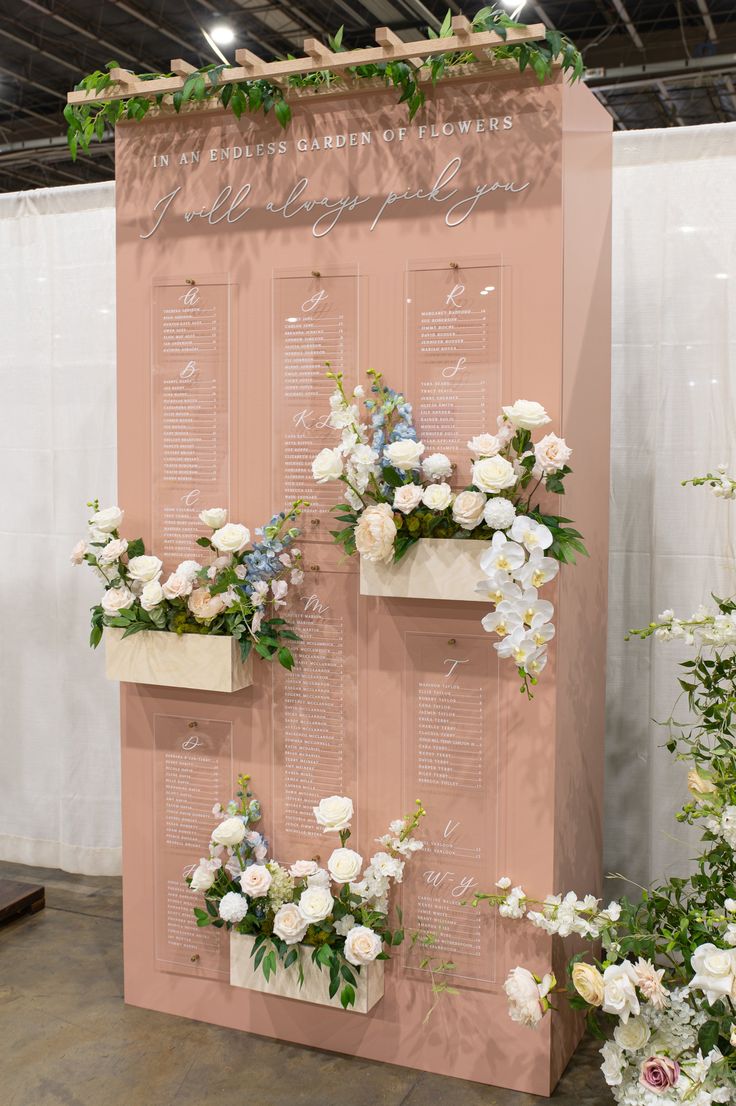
(395, 495)
(663, 979)
(239, 593)
(339, 914)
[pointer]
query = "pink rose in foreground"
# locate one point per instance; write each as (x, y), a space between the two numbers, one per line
(659, 1073)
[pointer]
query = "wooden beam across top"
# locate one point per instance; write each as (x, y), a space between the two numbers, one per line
(318, 57)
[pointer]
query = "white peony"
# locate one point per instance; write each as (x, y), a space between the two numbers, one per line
(107, 520)
(375, 533)
(404, 454)
(256, 880)
(233, 907)
(613, 1063)
(437, 497)
(144, 568)
(151, 595)
(214, 517)
(467, 509)
(117, 599)
(205, 606)
(493, 474)
(344, 865)
(230, 832)
(231, 538)
(327, 465)
(526, 414)
(334, 813)
(302, 868)
(632, 1035)
(552, 454)
(527, 998)
(484, 445)
(436, 466)
(619, 990)
(362, 945)
(315, 904)
(289, 925)
(714, 971)
(499, 513)
(112, 552)
(407, 498)
(178, 586)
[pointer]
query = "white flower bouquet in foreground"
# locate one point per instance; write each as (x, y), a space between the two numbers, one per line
(239, 593)
(338, 913)
(663, 988)
(396, 495)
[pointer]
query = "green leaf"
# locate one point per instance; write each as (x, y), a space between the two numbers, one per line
(708, 1036)
(282, 112)
(285, 658)
(347, 996)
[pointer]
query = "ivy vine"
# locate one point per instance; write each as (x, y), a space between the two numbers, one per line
(87, 122)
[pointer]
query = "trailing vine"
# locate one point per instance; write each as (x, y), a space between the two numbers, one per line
(87, 122)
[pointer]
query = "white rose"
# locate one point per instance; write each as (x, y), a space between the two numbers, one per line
(319, 878)
(289, 925)
(203, 876)
(204, 606)
(407, 498)
(214, 517)
(437, 497)
(112, 552)
(619, 990)
(633, 1035)
(526, 414)
(467, 510)
(499, 513)
(404, 454)
(233, 907)
(188, 569)
(362, 945)
(315, 904)
(552, 454)
(178, 586)
(229, 833)
(493, 474)
(436, 466)
(344, 865)
(484, 445)
(256, 880)
(302, 868)
(327, 465)
(714, 971)
(231, 538)
(144, 568)
(334, 813)
(77, 554)
(107, 520)
(375, 533)
(151, 595)
(117, 599)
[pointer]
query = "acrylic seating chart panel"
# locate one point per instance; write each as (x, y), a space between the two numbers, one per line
(436, 253)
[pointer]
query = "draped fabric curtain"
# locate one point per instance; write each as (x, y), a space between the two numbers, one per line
(59, 758)
(674, 381)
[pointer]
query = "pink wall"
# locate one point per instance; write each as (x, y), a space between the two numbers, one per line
(516, 788)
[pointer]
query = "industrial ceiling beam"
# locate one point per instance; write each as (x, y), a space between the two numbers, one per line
(707, 19)
(628, 23)
(64, 62)
(116, 51)
(18, 76)
(669, 105)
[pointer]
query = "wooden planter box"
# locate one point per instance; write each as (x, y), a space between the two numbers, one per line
(434, 568)
(201, 661)
(285, 983)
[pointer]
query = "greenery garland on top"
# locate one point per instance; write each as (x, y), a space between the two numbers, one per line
(89, 121)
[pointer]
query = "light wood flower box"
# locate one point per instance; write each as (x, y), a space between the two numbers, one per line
(206, 662)
(434, 568)
(285, 983)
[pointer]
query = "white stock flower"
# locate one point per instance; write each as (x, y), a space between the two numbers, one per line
(334, 813)
(527, 998)
(327, 465)
(504, 883)
(714, 970)
(387, 866)
(362, 945)
(344, 865)
(151, 595)
(404, 454)
(619, 990)
(256, 880)
(484, 445)
(551, 454)
(613, 1063)
(493, 474)
(214, 517)
(408, 497)
(467, 509)
(229, 833)
(289, 924)
(514, 905)
(533, 535)
(117, 599)
(633, 1034)
(112, 552)
(178, 586)
(315, 904)
(436, 466)
(526, 414)
(503, 556)
(233, 907)
(144, 568)
(437, 497)
(375, 533)
(107, 520)
(499, 513)
(231, 538)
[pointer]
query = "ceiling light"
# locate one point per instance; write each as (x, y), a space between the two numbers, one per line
(222, 34)
(721, 276)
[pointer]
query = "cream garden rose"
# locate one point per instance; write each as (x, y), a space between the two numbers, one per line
(407, 498)
(437, 497)
(633, 1035)
(289, 924)
(375, 533)
(714, 970)
(315, 904)
(327, 465)
(526, 414)
(334, 813)
(112, 552)
(551, 454)
(145, 568)
(404, 454)
(344, 865)
(256, 880)
(619, 990)
(229, 833)
(588, 982)
(494, 475)
(300, 869)
(231, 538)
(107, 520)
(467, 509)
(214, 517)
(204, 606)
(484, 445)
(362, 945)
(152, 595)
(178, 586)
(117, 599)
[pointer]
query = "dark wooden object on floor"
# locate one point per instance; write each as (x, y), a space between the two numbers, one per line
(20, 898)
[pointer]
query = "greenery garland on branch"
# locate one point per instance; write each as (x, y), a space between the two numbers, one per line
(87, 122)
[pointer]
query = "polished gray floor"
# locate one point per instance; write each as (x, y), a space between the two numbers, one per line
(67, 1038)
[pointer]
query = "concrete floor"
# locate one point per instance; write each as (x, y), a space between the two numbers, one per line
(67, 1038)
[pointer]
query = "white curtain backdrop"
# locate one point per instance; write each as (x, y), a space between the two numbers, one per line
(59, 760)
(674, 414)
